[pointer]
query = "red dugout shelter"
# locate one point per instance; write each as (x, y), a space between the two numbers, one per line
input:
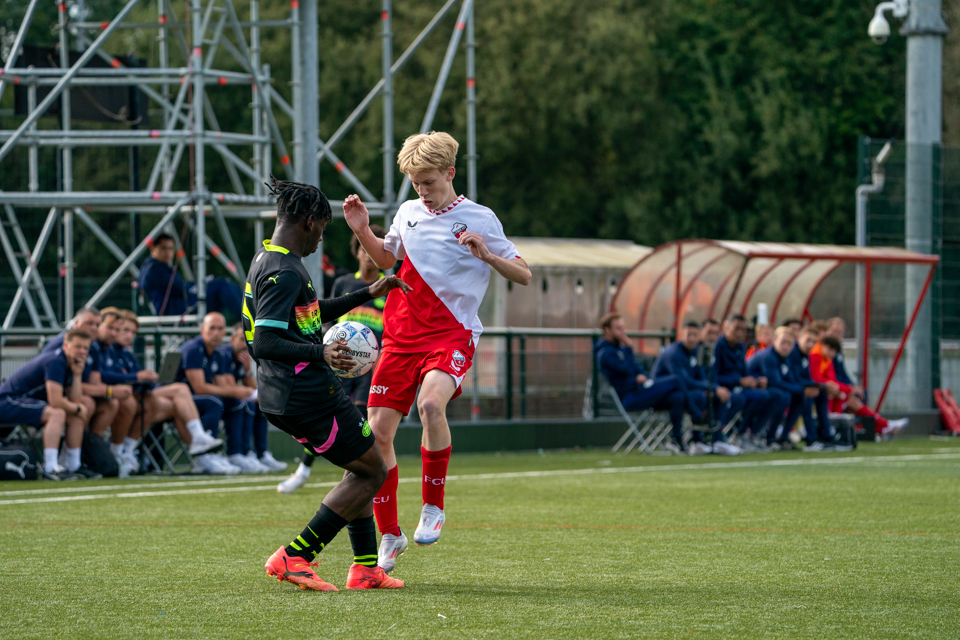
(699, 279)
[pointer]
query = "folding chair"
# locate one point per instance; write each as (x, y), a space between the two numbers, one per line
(160, 444)
(648, 428)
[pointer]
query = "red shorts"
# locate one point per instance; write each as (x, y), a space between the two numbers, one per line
(397, 376)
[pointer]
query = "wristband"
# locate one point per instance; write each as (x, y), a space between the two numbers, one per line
(109, 391)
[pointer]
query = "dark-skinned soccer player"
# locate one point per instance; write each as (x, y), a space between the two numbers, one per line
(300, 394)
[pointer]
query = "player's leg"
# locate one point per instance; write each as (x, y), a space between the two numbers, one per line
(127, 410)
(260, 443)
(392, 391)
(339, 437)
(53, 421)
(437, 390)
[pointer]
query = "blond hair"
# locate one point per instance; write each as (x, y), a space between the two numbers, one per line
(130, 316)
(425, 151)
(783, 331)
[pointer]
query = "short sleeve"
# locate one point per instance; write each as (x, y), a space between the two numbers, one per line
(276, 296)
(497, 241)
(55, 370)
(392, 242)
(192, 357)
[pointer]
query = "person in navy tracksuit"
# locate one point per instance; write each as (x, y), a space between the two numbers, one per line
(784, 384)
(730, 370)
(634, 388)
(799, 359)
(680, 359)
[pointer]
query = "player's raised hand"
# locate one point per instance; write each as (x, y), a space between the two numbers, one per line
(383, 286)
(337, 355)
(355, 213)
(474, 242)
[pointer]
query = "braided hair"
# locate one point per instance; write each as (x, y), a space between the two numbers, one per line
(297, 201)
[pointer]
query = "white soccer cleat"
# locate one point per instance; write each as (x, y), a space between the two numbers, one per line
(894, 427)
(133, 460)
(272, 463)
(431, 522)
(391, 548)
(726, 449)
(291, 484)
(204, 444)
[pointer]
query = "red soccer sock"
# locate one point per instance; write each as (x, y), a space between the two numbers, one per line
(434, 475)
(866, 412)
(385, 504)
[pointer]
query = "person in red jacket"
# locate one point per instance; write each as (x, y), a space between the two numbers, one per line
(842, 396)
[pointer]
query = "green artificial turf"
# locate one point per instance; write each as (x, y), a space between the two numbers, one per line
(859, 545)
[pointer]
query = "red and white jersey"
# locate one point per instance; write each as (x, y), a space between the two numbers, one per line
(448, 281)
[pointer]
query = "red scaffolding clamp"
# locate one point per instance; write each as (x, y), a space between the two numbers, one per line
(949, 411)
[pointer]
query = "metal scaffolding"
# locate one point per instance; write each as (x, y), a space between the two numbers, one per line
(189, 129)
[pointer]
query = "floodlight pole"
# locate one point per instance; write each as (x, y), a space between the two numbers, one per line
(199, 186)
(308, 125)
(924, 30)
(388, 149)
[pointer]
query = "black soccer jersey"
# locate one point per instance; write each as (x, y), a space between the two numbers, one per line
(280, 297)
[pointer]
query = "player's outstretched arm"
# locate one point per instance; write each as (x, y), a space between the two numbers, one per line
(336, 307)
(358, 219)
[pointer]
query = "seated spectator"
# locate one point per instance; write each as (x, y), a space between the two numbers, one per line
(820, 438)
(46, 392)
(764, 338)
(836, 327)
(161, 403)
(253, 424)
(785, 394)
(794, 325)
(215, 392)
(680, 360)
(636, 391)
(117, 386)
(86, 318)
(842, 396)
(171, 296)
(730, 370)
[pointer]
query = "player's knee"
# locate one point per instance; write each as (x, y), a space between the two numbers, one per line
(89, 403)
(55, 415)
(430, 408)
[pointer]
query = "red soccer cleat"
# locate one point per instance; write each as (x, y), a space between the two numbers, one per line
(361, 577)
(296, 570)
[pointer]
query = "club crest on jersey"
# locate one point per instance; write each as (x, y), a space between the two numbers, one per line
(458, 229)
(457, 361)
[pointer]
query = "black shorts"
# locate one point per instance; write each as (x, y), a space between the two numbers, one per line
(340, 435)
(358, 388)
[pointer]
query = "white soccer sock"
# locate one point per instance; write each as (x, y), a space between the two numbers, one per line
(73, 459)
(195, 427)
(129, 444)
(50, 459)
(303, 471)
(116, 449)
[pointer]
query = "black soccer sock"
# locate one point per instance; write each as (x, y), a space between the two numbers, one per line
(363, 539)
(308, 458)
(322, 529)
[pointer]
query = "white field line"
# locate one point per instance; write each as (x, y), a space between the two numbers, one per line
(477, 476)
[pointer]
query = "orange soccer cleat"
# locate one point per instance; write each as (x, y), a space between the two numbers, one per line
(361, 577)
(296, 570)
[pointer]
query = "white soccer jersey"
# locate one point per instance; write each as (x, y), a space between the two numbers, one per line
(448, 281)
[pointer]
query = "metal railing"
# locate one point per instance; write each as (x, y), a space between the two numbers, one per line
(517, 372)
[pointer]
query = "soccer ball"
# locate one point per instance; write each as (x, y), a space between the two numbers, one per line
(363, 346)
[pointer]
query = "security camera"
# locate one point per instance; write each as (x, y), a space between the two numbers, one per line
(879, 29)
